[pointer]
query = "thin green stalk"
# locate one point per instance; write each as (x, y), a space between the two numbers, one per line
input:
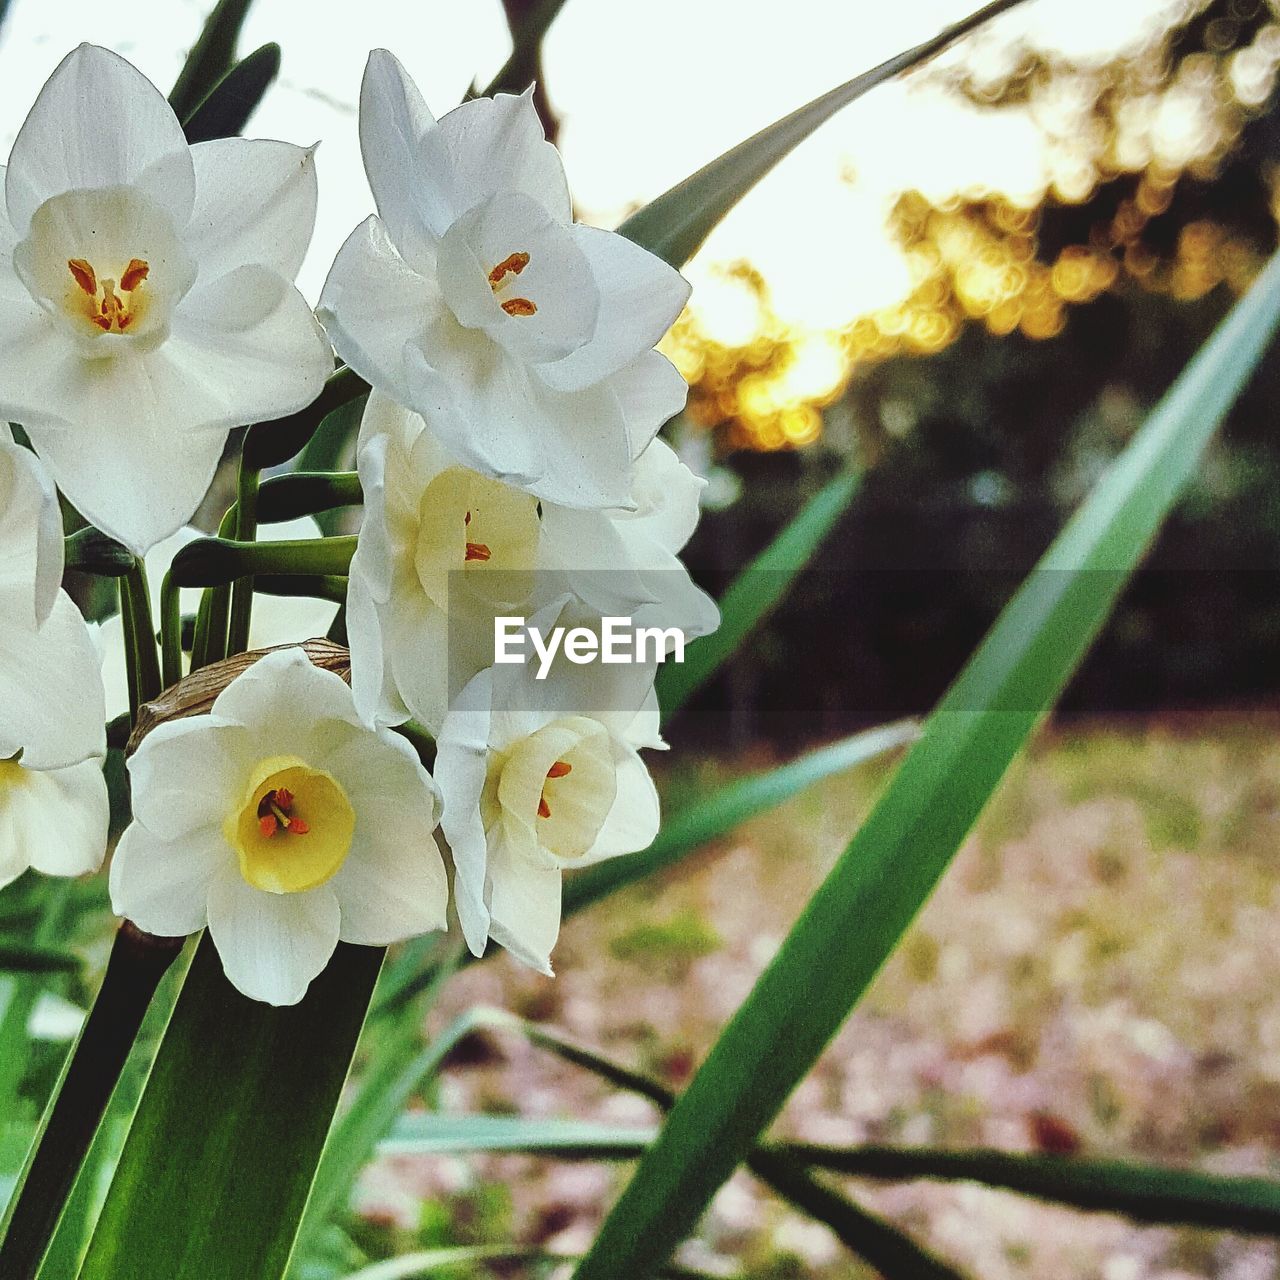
(170, 631)
(246, 531)
(210, 643)
(219, 561)
(138, 962)
(144, 632)
(130, 648)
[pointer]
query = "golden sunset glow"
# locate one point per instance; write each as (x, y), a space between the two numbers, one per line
(768, 342)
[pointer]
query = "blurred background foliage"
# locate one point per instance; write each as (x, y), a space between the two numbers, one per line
(1037, 329)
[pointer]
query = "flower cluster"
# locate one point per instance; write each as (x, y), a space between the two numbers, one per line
(509, 468)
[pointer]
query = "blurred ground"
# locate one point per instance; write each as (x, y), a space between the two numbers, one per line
(1099, 971)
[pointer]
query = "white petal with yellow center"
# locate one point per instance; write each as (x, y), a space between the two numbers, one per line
(108, 266)
(293, 829)
(298, 826)
(554, 789)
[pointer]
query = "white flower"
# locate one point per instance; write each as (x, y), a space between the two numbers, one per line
(146, 296)
(53, 798)
(284, 824)
(474, 299)
(276, 620)
(444, 549)
(541, 777)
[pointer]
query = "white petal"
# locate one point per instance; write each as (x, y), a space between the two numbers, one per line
(54, 822)
(633, 821)
(272, 945)
(98, 122)
(651, 392)
(556, 278)
(115, 678)
(419, 651)
(375, 695)
(524, 906)
(373, 542)
(462, 754)
(189, 773)
(394, 117)
(283, 695)
(52, 705)
(392, 884)
(250, 349)
(255, 203)
(30, 533)
(139, 483)
(373, 305)
(490, 145)
(640, 299)
(162, 884)
(566, 447)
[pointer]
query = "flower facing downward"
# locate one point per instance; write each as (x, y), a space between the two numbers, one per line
(474, 299)
(284, 824)
(146, 296)
(539, 778)
(53, 798)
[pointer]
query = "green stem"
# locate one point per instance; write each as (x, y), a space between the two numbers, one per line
(138, 962)
(210, 643)
(130, 648)
(144, 632)
(217, 561)
(170, 632)
(89, 550)
(246, 531)
(306, 493)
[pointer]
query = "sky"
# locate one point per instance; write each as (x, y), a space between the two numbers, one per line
(647, 93)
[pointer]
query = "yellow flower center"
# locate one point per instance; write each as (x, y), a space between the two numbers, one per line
(469, 522)
(293, 830)
(512, 265)
(553, 790)
(112, 312)
(12, 774)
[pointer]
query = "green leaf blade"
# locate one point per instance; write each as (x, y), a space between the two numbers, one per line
(675, 224)
(757, 591)
(219, 1161)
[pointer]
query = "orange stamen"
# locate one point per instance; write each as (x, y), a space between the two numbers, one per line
(478, 551)
(83, 275)
(512, 265)
(519, 307)
(544, 809)
(274, 815)
(134, 274)
(559, 769)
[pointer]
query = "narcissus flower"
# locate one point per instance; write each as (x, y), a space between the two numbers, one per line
(53, 798)
(538, 778)
(474, 299)
(284, 824)
(146, 296)
(444, 549)
(276, 620)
